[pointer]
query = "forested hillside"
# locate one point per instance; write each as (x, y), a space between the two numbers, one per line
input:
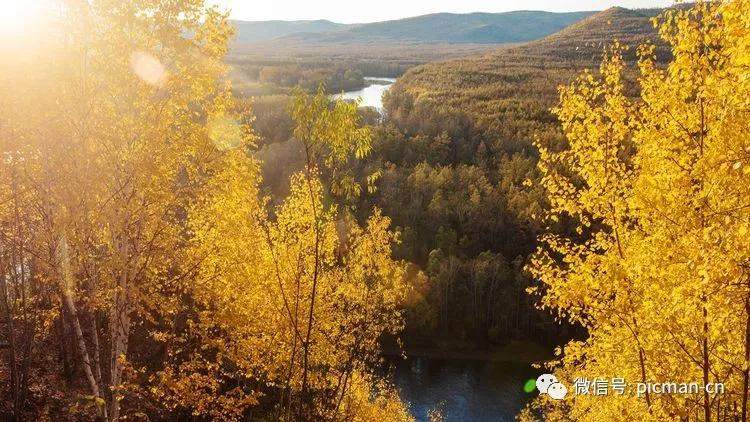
(270, 57)
(459, 173)
(523, 80)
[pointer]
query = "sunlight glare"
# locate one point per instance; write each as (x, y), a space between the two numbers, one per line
(148, 68)
(17, 15)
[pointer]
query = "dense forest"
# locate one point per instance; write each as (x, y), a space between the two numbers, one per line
(457, 172)
(461, 176)
(257, 79)
(191, 232)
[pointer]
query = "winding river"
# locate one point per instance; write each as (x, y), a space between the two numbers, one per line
(371, 95)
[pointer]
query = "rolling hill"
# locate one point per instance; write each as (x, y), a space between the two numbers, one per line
(478, 28)
(518, 84)
(254, 31)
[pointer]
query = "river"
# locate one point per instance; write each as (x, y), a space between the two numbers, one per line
(464, 390)
(371, 95)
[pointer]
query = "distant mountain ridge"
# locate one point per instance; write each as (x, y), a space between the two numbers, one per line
(254, 31)
(479, 28)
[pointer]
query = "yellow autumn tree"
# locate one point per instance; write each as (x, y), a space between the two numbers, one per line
(656, 190)
(134, 239)
(289, 304)
(109, 122)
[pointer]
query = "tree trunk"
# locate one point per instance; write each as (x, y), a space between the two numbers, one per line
(119, 324)
(66, 290)
(311, 314)
(97, 350)
(7, 318)
(706, 368)
(746, 370)
(63, 341)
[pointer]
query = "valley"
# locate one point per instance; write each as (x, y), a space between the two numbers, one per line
(430, 211)
(455, 154)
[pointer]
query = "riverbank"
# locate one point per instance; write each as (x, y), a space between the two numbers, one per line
(521, 352)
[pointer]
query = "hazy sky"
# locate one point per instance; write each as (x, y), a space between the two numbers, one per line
(353, 11)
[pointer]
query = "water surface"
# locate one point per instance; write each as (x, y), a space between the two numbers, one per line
(371, 95)
(465, 390)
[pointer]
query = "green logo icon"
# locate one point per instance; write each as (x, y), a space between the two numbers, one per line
(529, 386)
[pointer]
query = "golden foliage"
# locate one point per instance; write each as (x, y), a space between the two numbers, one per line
(657, 190)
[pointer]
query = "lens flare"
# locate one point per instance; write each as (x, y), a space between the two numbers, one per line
(148, 68)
